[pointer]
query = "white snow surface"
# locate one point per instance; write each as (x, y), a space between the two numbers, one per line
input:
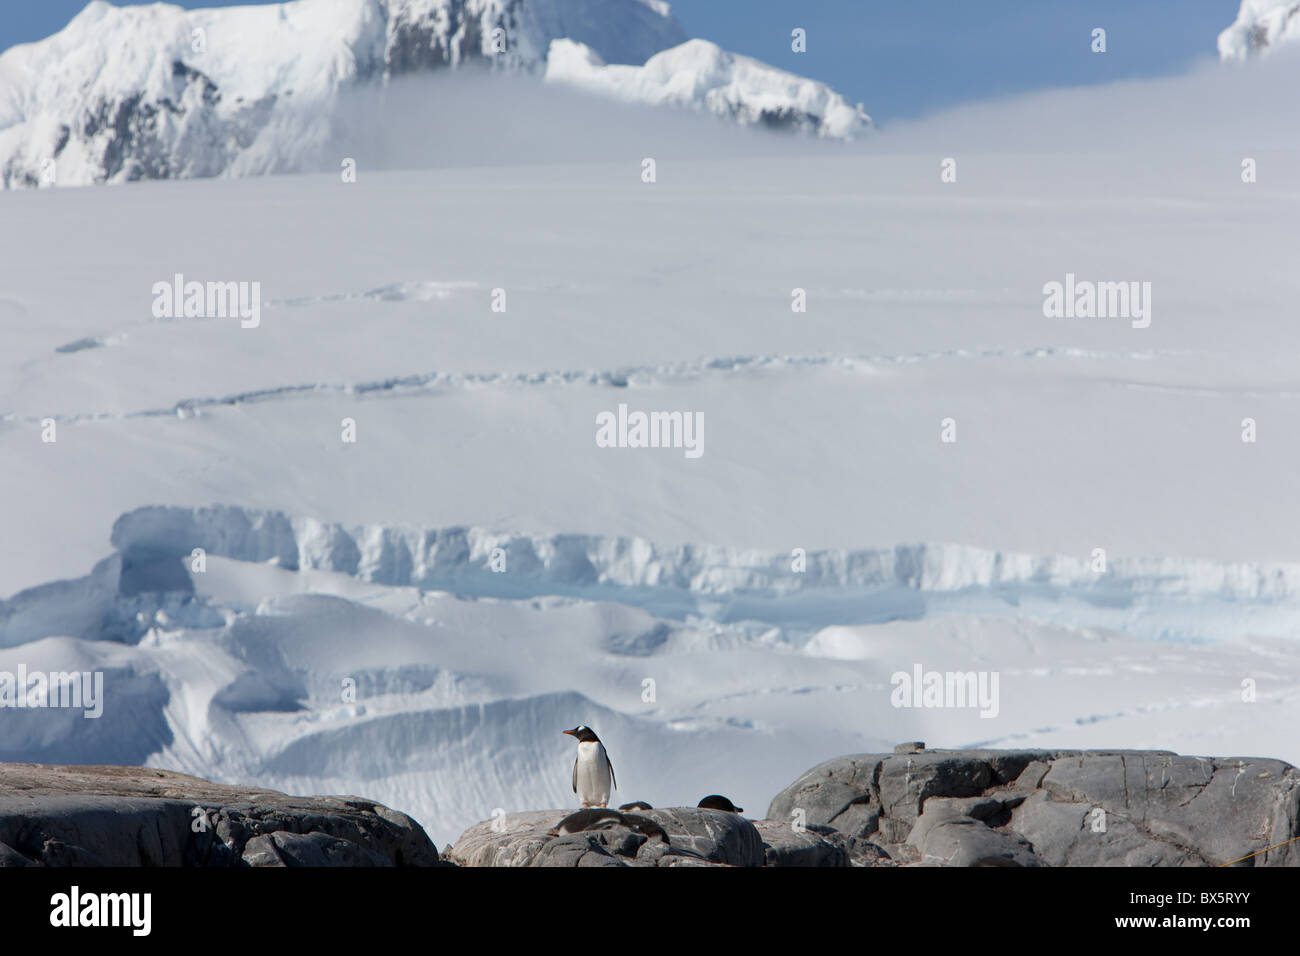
(1261, 26)
(372, 562)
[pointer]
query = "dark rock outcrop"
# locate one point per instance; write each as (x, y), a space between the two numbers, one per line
(1044, 807)
(910, 808)
(786, 844)
(694, 837)
(137, 816)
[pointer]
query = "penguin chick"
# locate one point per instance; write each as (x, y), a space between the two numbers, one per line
(586, 819)
(716, 801)
(600, 818)
(644, 826)
(593, 774)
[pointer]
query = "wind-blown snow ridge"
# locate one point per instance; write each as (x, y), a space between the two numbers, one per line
(1261, 25)
(160, 92)
(627, 376)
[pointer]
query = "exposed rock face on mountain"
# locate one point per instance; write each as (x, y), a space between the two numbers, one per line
(136, 816)
(1056, 808)
(159, 92)
(1261, 25)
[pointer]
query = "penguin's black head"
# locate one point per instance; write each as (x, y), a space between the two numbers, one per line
(584, 734)
(716, 801)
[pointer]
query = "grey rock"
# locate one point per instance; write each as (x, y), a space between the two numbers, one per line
(321, 849)
(841, 793)
(860, 851)
(677, 859)
(715, 835)
(865, 853)
(1062, 836)
(945, 836)
(658, 853)
(584, 849)
(533, 839)
(905, 782)
(261, 851)
(1032, 776)
(510, 840)
(1059, 808)
(1175, 810)
(893, 831)
(992, 809)
(11, 857)
(785, 846)
(139, 816)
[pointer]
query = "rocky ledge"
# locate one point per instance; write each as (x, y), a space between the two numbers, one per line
(913, 807)
(136, 816)
(916, 807)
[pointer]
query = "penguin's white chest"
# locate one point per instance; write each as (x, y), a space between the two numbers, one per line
(591, 774)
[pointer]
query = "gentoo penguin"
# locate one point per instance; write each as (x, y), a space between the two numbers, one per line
(716, 801)
(636, 805)
(593, 774)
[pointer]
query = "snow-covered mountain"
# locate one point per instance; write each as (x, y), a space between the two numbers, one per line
(159, 92)
(1260, 26)
(701, 74)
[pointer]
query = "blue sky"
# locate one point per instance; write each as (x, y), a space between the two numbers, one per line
(902, 58)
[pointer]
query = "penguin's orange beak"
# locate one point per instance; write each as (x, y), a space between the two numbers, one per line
(569, 732)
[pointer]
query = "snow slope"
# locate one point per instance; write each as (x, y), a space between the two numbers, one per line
(159, 92)
(372, 561)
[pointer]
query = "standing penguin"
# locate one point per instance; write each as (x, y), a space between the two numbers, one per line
(593, 774)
